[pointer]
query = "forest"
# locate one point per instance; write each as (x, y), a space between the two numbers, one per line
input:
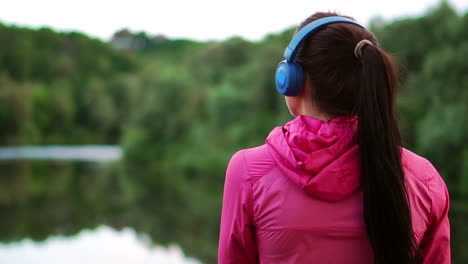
(180, 109)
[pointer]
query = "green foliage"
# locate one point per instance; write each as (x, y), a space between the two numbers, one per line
(57, 88)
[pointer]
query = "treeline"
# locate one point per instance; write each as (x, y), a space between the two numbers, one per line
(59, 88)
(181, 109)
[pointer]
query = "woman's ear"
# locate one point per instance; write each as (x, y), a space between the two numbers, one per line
(295, 103)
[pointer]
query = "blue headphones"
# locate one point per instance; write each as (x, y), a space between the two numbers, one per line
(289, 75)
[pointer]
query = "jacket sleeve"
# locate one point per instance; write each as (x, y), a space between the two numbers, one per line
(435, 246)
(237, 237)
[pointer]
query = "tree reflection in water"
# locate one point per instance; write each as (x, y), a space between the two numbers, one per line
(39, 199)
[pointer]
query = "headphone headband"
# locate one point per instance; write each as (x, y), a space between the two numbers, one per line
(301, 35)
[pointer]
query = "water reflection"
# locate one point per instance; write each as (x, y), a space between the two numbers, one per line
(103, 245)
(78, 153)
(39, 199)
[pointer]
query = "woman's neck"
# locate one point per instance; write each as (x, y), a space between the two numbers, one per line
(308, 108)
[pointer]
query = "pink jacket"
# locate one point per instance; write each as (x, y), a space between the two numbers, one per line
(296, 199)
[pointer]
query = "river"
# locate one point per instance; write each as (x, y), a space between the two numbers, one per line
(70, 204)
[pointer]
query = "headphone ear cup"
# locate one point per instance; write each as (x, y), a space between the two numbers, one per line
(289, 78)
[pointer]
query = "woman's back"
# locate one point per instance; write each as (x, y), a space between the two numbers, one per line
(297, 199)
(334, 185)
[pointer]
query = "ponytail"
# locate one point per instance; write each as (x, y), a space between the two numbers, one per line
(386, 208)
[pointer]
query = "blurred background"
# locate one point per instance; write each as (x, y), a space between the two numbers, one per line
(117, 120)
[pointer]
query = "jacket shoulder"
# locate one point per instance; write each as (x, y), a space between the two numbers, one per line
(258, 161)
(423, 173)
(420, 172)
(421, 168)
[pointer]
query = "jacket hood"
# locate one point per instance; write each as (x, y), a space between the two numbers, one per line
(320, 157)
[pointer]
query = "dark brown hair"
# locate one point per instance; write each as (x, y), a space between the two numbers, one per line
(343, 85)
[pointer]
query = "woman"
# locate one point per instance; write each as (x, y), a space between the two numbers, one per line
(334, 185)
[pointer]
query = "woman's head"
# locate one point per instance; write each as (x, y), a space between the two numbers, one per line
(330, 66)
(339, 82)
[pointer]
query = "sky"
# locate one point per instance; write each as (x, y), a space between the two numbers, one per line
(198, 19)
